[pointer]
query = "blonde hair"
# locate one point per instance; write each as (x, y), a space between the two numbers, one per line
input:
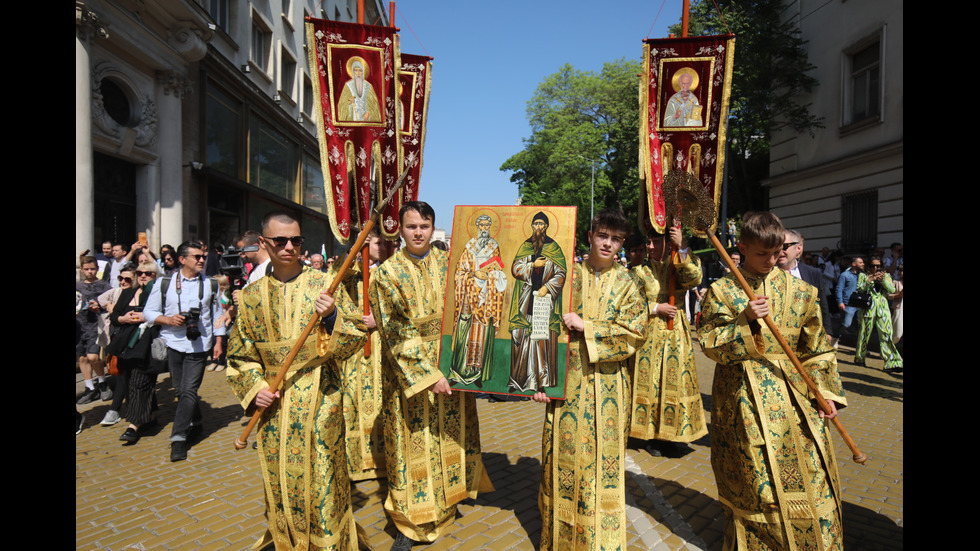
(149, 267)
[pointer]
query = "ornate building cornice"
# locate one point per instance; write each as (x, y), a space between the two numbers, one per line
(174, 83)
(88, 26)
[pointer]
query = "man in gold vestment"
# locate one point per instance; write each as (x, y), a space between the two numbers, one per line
(583, 489)
(301, 436)
(666, 400)
(770, 447)
(432, 438)
(361, 376)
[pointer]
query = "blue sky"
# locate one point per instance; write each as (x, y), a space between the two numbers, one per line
(475, 125)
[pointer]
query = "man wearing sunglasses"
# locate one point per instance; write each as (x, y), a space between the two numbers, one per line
(185, 305)
(789, 260)
(300, 439)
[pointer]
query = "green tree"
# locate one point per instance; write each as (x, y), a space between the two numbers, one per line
(770, 74)
(577, 118)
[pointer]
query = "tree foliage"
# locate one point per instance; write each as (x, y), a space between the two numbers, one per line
(578, 117)
(770, 74)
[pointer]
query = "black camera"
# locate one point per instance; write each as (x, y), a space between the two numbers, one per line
(192, 318)
(232, 265)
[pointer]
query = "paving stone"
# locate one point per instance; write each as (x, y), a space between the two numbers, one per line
(214, 500)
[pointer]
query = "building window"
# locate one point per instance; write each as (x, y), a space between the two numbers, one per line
(859, 221)
(219, 11)
(222, 130)
(307, 96)
(261, 44)
(287, 74)
(272, 160)
(313, 194)
(862, 78)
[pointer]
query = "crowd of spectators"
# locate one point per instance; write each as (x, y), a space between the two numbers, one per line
(115, 336)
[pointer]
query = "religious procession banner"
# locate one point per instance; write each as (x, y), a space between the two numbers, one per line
(414, 81)
(684, 94)
(354, 70)
(509, 284)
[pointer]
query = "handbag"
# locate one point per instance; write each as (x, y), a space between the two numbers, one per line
(860, 300)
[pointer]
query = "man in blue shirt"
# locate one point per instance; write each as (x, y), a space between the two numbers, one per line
(187, 313)
(846, 286)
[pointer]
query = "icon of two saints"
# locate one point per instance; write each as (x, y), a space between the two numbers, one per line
(534, 311)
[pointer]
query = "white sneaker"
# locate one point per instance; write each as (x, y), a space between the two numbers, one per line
(111, 418)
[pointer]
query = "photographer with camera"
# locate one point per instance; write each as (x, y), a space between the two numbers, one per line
(877, 317)
(186, 305)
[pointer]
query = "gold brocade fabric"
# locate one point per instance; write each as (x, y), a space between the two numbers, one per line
(301, 436)
(432, 442)
(666, 399)
(361, 389)
(582, 497)
(771, 453)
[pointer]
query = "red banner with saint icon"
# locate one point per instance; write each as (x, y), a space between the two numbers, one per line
(414, 80)
(684, 96)
(354, 70)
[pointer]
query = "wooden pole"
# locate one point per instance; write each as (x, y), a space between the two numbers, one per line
(685, 17)
(858, 457)
(391, 13)
(360, 12)
(366, 271)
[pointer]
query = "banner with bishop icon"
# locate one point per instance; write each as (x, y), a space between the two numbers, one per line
(414, 80)
(354, 70)
(684, 95)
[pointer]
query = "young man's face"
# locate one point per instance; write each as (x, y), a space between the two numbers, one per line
(858, 264)
(655, 247)
(90, 270)
(758, 259)
(374, 248)
(604, 246)
(417, 232)
(638, 255)
(107, 248)
(117, 252)
(288, 253)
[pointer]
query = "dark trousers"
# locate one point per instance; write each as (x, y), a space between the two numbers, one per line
(186, 374)
(122, 385)
(142, 400)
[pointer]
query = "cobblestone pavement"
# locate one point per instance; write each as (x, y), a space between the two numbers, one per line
(132, 497)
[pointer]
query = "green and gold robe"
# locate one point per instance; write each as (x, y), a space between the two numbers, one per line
(666, 399)
(877, 317)
(361, 389)
(771, 453)
(582, 497)
(301, 436)
(432, 442)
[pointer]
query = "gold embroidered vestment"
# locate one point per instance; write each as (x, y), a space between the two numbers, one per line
(666, 398)
(432, 442)
(361, 389)
(301, 436)
(582, 496)
(771, 453)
